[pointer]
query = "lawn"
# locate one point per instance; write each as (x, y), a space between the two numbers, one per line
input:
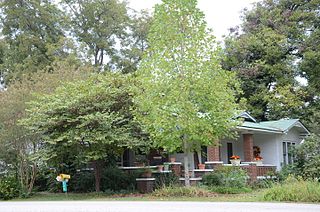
(44, 196)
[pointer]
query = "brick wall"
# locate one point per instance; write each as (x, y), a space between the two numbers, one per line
(213, 153)
(248, 147)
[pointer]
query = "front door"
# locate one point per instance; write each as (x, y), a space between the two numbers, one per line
(229, 151)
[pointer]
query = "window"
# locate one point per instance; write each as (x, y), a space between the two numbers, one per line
(287, 148)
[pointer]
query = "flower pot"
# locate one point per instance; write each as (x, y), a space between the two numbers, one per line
(259, 162)
(235, 162)
(201, 166)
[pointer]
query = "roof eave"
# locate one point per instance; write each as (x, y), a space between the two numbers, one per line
(260, 130)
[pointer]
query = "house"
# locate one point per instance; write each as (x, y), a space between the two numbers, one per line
(272, 140)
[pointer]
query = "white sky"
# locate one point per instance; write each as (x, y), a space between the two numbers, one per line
(220, 14)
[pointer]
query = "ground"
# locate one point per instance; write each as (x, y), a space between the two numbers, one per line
(155, 206)
(254, 196)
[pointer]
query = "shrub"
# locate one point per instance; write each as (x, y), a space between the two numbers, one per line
(230, 190)
(226, 176)
(115, 179)
(166, 180)
(264, 183)
(9, 188)
(181, 191)
(83, 181)
(294, 189)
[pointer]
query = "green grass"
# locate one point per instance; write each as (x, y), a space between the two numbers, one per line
(294, 190)
(44, 196)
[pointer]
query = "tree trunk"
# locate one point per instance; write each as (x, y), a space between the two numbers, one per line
(33, 177)
(97, 165)
(186, 164)
(199, 156)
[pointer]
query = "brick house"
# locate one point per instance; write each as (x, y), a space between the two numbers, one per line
(273, 140)
(270, 140)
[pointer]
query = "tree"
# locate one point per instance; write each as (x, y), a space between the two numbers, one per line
(307, 158)
(277, 44)
(18, 146)
(134, 44)
(97, 25)
(86, 120)
(34, 36)
(187, 100)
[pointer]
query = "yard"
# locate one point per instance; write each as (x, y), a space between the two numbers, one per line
(253, 196)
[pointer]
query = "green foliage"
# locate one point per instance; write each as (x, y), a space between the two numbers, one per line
(97, 24)
(9, 188)
(230, 190)
(18, 147)
(34, 36)
(307, 163)
(166, 180)
(295, 190)
(176, 191)
(276, 44)
(82, 182)
(229, 177)
(116, 180)
(186, 99)
(134, 44)
(89, 119)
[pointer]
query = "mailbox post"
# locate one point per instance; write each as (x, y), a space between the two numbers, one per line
(64, 178)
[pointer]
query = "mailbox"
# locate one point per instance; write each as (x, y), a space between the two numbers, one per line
(65, 176)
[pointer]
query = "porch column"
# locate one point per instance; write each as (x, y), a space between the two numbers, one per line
(248, 147)
(213, 153)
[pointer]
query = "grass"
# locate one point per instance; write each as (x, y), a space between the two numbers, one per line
(44, 196)
(294, 190)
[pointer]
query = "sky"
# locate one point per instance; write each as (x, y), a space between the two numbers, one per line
(220, 14)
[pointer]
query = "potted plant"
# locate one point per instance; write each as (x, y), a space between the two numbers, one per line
(258, 160)
(235, 160)
(201, 166)
(166, 166)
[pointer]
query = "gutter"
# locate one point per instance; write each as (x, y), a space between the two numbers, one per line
(260, 130)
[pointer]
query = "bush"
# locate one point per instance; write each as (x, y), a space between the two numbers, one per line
(166, 180)
(264, 183)
(115, 179)
(9, 188)
(176, 191)
(294, 189)
(226, 176)
(230, 190)
(81, 182)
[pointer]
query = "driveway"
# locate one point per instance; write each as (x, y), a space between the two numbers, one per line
(122, 206)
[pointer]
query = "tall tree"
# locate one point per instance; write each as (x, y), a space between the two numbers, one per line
(187, 100)
(88, 120)
(277, 44)
(19, 146)
(33, 32)
(134, 44)
(98, 25)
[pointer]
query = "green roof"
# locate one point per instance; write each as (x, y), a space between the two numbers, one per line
(282, 124)
(279, 126)
(259, 126)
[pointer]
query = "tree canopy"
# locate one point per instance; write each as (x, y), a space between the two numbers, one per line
(277, 45)
(187, 99)
(89, 119)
